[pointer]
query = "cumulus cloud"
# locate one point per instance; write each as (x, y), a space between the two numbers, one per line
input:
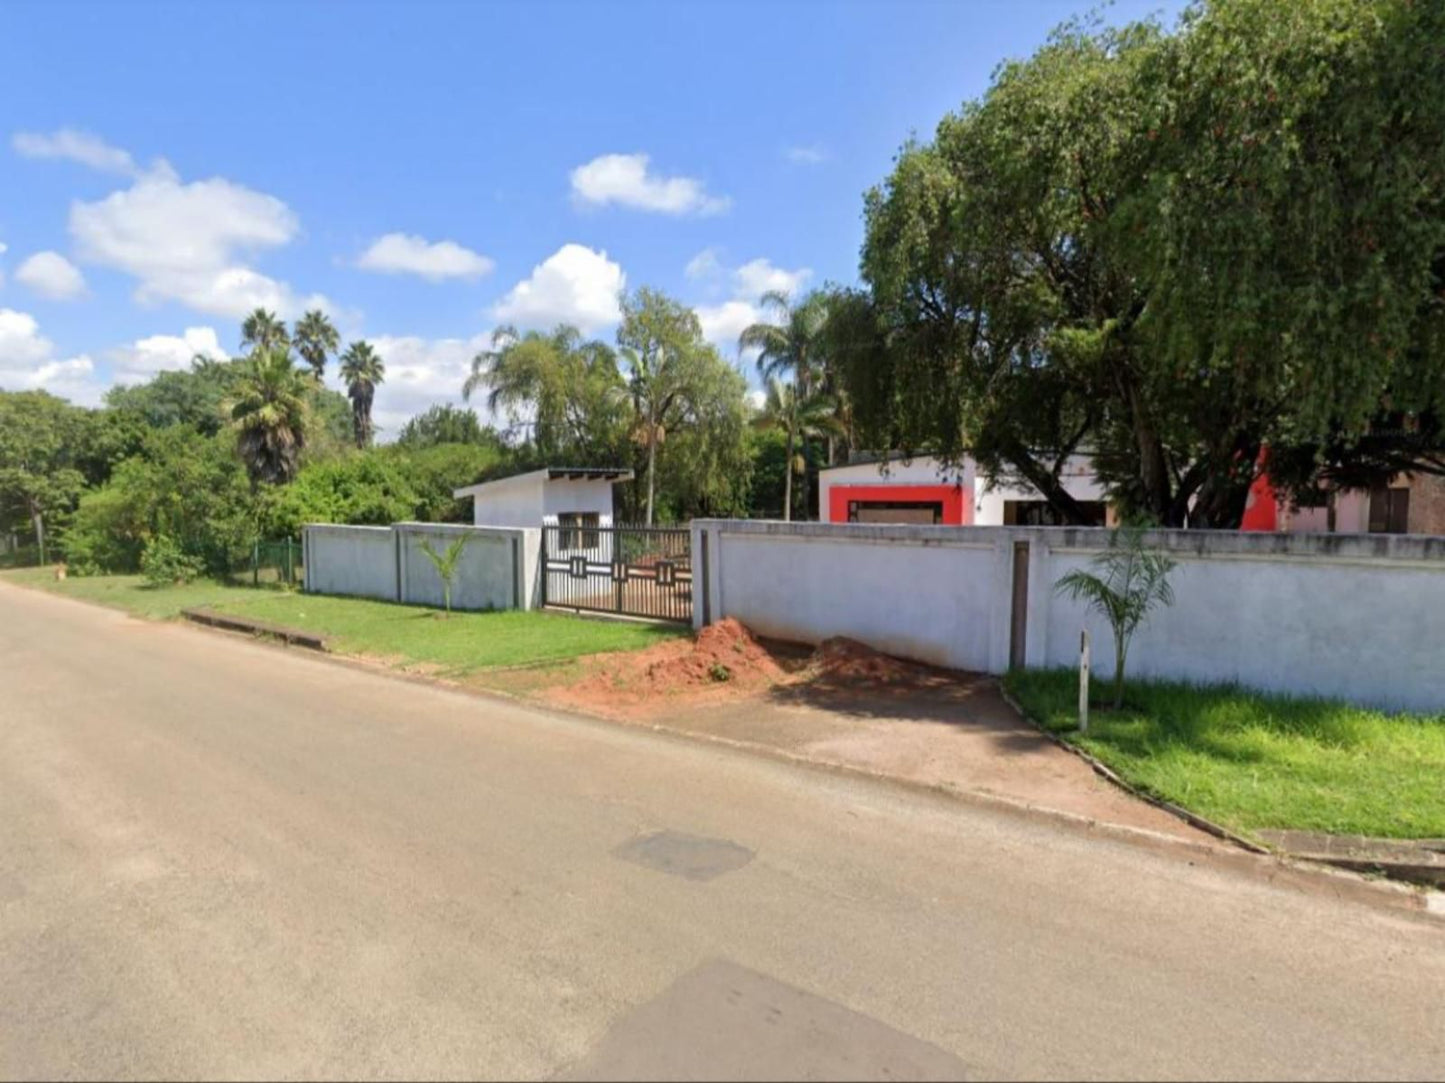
(71, 145)
(420, 373)
(723, 323)
(28, 362)
(52, 276)
(145, 357)
(625, 179)
(185, 242)
(757, 277)
(806, 155)
(575, 285)
(401, 253)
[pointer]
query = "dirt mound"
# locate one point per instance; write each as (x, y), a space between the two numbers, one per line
(722, 656)
(843, 659)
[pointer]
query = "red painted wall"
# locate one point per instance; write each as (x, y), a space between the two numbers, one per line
(957, 501)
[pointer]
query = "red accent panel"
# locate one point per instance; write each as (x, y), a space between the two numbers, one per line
(956, 500)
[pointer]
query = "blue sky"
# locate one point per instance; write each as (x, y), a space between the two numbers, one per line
(428, 171)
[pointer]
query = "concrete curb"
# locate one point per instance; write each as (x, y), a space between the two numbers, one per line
(1105, 772)
(226, 622)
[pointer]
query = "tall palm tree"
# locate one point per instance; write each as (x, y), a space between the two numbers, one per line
(270, 411)
(791, 344)
(795, 343)
(363, 371)
(316, 338)
(262, 331)
(800, 417)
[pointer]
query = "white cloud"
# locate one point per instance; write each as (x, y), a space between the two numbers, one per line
(27, 362)
(401, 253)
(52, 276)
(723, 323)
(704, 265)
(624, 179)
(757, 277)
(71, 145)
(421, 373)
(806, 155)
(184, 242)
(757, 398)
(574, 285)
(147, 356)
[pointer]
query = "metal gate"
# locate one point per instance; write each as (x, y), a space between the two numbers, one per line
(636, 571)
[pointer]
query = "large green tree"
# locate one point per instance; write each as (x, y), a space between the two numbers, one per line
(563, 392)
(263, 332)
(799, 416)
(363, 371)
(446, 424)
(41, 437)
(1171, 251)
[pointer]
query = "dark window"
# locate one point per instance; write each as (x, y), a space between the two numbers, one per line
(579, 529)
(1390, 511)
(895, 511)
(1038, 513)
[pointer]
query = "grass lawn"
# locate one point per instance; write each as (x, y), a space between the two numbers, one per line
(128, 592)
(411, 634)
(1249, 760)
(458, 644)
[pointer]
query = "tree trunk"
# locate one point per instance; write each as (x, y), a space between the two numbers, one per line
(1121, 653)
(651, 465)
(788, 482)
(37, 517)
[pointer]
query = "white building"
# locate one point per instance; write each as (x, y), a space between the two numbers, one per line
(924, 491)
(577, 499)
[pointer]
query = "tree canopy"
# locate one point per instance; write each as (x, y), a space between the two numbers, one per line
(1173, 251)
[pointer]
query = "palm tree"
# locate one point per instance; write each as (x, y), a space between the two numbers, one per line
(262, 331)
(362, 370)
(791, 345)
(316, 337)
(270, 412)
(795, 344)
(800, 416)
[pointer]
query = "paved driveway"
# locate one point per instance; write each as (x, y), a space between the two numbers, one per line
(223, 859)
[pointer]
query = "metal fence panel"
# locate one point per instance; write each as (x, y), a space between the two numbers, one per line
(633, 571)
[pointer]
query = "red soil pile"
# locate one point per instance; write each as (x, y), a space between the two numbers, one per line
(841, 659)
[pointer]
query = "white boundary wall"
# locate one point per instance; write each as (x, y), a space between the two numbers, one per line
(1358, 617)
(498, 570)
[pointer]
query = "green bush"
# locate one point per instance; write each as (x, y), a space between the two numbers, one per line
(164, 563)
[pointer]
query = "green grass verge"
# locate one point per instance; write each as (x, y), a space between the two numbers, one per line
(410, 634)
(1249, 761)
(129, 592)
(459, 643)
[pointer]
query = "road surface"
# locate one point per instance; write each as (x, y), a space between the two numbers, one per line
(225, 859)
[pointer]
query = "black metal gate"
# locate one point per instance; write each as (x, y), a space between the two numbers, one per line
(637, 571)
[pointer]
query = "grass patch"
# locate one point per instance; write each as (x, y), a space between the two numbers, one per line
(1248, 760)
(410, 634)
(130, 592)
(458, 644)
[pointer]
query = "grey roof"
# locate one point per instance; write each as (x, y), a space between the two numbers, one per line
(606, 473)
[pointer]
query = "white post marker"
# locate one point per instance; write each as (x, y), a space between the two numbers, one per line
(1084, 681)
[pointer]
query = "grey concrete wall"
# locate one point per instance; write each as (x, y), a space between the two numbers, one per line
(353, 560)
(1361, 618)
(498, 568)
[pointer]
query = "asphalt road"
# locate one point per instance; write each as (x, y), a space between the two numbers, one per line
(219, 858)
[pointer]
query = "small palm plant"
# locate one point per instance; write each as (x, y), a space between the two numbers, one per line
(1131, 579)
(445, 563)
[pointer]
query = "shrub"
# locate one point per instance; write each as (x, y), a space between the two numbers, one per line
(164, 563)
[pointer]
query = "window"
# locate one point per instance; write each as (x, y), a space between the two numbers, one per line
(1390, 510)
(895, 511)
(579, 529)
(1038, 513)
